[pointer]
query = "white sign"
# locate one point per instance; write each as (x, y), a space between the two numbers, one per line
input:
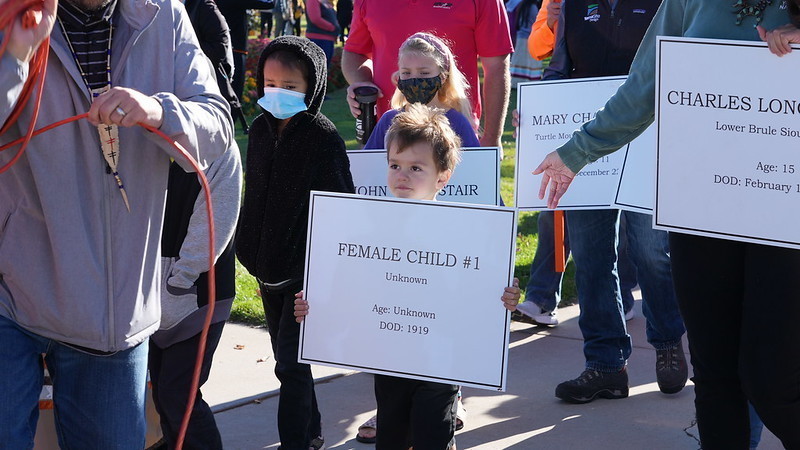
(476, 179)
(549, 112)
(728, 164)
(637, 182)
(409, 288)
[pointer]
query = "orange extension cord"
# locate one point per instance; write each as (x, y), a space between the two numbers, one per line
(29, 11)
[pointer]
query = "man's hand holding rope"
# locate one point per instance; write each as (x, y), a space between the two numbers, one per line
(31, 28)
(126, 107)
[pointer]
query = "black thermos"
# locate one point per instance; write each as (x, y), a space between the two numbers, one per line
(366, 96)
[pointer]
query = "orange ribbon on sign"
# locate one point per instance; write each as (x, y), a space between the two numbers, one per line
(561, 254)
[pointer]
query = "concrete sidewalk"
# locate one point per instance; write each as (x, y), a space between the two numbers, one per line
(242, 390)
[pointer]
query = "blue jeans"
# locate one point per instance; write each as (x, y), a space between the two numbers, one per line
(649, 252)
(327, 47)
(627, 271)
(99, 400)
(593, 237)
(756, 427)
(544, 285)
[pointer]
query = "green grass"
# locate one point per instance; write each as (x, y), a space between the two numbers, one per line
(336, 109)
(527, 229)
(247, 307)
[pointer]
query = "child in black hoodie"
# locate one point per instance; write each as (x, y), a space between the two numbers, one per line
(293, 149)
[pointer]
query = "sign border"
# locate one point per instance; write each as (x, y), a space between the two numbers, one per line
(501, 385)
(657, 223)
(520, 88)
(497, 150)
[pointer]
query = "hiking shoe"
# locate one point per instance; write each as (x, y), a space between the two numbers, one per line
(538, 315)
(671, 369)
(318, 443)
(592, 384)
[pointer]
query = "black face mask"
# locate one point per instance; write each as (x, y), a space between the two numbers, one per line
(420, 90)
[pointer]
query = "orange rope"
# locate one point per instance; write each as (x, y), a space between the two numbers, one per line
(30, 14)
(212, 286)
(29, 11)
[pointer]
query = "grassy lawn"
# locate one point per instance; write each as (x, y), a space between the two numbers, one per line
(247, 306)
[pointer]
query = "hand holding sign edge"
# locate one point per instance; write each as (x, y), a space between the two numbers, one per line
(300, 307)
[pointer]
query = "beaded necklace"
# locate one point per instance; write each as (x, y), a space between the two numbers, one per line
(109, 134)
(744, 8)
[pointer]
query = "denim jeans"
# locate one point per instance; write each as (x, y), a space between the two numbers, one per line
(298, 414)
(98, 400)
(756, 427)
(544, 285)
(327, 48)
(593, 237)
(625, 267)
(649, 252)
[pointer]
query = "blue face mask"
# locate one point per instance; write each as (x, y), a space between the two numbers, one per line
(282, 103)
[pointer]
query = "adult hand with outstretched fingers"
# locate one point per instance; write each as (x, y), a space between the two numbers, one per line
(780, 39)
(555, 174)
(31, 28)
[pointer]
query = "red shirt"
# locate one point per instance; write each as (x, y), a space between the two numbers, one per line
(472, 28)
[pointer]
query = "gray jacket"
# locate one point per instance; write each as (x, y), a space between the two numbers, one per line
(75, 265)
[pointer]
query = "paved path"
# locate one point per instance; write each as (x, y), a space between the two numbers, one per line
(243, 391)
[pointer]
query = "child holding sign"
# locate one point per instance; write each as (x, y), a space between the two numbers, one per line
(427, 74)
(423, 151)
(293, 149)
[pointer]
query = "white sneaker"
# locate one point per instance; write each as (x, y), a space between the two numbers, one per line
(537, 314)
(630, 314)
(461, 413)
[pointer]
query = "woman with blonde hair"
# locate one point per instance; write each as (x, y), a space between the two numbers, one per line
(427, 74)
